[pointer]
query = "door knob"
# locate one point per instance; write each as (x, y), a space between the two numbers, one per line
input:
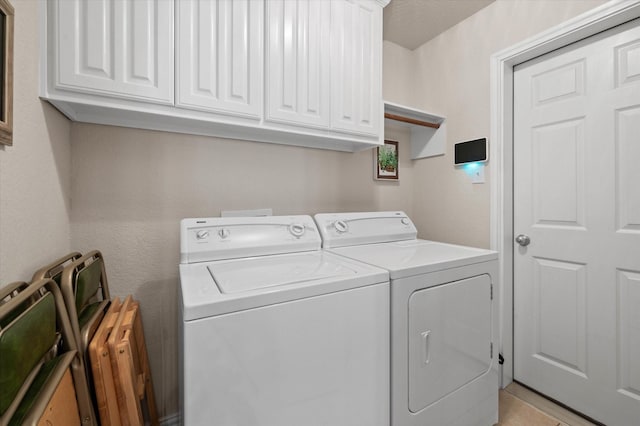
(523, 240)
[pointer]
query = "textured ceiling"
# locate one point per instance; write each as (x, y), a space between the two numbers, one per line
(411, 23)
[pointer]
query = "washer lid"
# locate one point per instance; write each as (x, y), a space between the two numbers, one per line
(413, 257)
(225, 286)
(271, 271)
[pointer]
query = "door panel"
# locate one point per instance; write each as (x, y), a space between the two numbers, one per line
(356, 76)
(558, 173)
(560, 327)
(628, 63)
(298, 59)
(97, 59)
(576, 285)
(629, 327)
(449, 341)
(219, 56)
(628, 172)
(118, 48)
(558, 84)
(140, 68)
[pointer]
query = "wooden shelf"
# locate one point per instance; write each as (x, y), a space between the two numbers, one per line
(428, 131)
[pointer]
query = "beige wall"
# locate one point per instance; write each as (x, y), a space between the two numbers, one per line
(398, 72)
(453, 80)
(131, 188)
(35, 171)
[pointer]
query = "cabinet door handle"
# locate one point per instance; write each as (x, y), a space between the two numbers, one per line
(425, 346)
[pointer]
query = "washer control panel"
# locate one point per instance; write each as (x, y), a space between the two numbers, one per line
(208, 239)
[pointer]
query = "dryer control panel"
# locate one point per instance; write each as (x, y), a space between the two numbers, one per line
(348, 229)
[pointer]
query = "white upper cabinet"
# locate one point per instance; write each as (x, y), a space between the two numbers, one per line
(297, 72)
(219, 55)
(298, 62)
(120, 48)
(356, 78)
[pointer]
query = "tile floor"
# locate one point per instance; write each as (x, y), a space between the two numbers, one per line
(521, 407)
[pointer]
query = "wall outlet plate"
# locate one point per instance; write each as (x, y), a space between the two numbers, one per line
(475, 171)
(246, 213)
(477, 175)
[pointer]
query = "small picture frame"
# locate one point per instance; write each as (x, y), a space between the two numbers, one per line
(385, 161)
(6, 72)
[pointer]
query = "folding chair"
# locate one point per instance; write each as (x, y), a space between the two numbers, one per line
(83, 283)
(40, 367)
(120, 363)
(54, 269)
(86, 293)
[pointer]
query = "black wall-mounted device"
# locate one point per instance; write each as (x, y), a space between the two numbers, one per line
(471, 151)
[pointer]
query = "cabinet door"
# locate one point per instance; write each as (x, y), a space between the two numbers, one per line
(121, 48)
(298, 73)
(356, 78)
(219, 55)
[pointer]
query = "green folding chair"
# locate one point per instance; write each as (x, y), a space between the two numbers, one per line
(37, 347)
(85, 290)
(55, 268)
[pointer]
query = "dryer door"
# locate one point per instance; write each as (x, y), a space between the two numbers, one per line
(449, 338)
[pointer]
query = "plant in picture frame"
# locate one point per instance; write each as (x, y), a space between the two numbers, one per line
(386, 161)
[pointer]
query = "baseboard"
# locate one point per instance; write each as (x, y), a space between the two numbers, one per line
(170, 420)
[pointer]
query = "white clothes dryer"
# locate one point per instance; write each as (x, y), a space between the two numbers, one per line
(276, 331)
(443, 318)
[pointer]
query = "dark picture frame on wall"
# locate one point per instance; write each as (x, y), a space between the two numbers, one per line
(385, 161)
(6, 72)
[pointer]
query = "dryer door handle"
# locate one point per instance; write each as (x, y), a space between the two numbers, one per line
(425, 346)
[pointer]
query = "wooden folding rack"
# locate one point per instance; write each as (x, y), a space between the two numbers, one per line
(120, 365)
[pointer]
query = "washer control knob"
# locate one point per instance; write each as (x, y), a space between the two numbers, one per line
(297, 230)
(341, 226)
(202, 234)
(223, 233)
(405, 220)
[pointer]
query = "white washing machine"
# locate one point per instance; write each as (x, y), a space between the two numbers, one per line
(443, 318)
(276, 331)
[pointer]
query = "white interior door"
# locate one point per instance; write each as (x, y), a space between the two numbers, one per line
(577, 198)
